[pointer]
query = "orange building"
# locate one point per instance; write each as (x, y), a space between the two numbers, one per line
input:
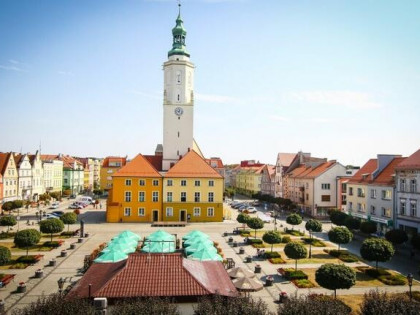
(110, 166)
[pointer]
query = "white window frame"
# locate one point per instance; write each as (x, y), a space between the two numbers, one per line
(169, 196)
(211, 183)
(127, 210)
(373, 193)
(197, 196)
(155, 182)
(185, 195)
(196, 213)
(169, 182)
(413, 208)
(197, 183)
(144, 196)
(142, 182)
(210, 196)
(169, 211)
(127, 196)
(141, 212)
(210, 212)
(128, 182)
(183, 182)
(155, 196)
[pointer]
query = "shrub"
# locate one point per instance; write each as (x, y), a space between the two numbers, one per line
(295, 233)
(313, 241)
(8, 221)
(352, 223)
(258, 245)
(382, 303)
(338, 217)
(396, 236)
(150, 305)
(218, 305)
(67, 233)
(4, 235)
(286, 239)
(294, 219)
(269, 255)
(19, 266)
(69, 218)
(31, 259)
(292, 274)
(242, 218)
(376, 249)
(252, 241)
(277, 260)
(5, 255)
(313, 226)
(53, 244)
(333, 277)
(245, 233)
(27, 238)
(51, 226)
(368, 227)
(313, 305)
(303, 283)
(340, 235)
(294, 250)
(272, 237)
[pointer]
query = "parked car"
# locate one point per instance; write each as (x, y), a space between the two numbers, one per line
(73, 206)
(242, 208)
(53, 206)
(57, 213)
(72, 197)
(251, 210)
(52, 216)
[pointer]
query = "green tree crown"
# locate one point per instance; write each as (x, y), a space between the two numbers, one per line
(272, 237)
(27, 238)
(396, 236)
(294, 219)
(51, 226)
(295, 250)
(333, 277)
(242, 218)
(313, 225)
(340, 235)
(376, 249)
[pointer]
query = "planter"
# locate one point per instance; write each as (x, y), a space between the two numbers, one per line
(230, 240)
(225, 234)
(73, 246)
(21, 288)
(241, 251)
(235, 244)
(283, 297)
(80, 240)
(39, 273)
(257, 269)
(53, 262)
(248, 259)
(63, 253)
(86, 234)
(269, 281)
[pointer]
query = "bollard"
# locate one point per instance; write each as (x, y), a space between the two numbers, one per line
(248, 259)
(39, 273)
(269, 281)
(73, 246)
(21, 287)
(235, 244)
(63, 253)
(80, 240)
(230, 240)
(53, 262)
(257, 269)
(241, 251)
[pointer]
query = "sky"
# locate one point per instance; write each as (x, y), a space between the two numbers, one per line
(339, 79)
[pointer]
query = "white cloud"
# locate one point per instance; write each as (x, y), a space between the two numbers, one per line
(219, 99)
(350, 99)
(278, 118)
(12, 68)
(14, 65)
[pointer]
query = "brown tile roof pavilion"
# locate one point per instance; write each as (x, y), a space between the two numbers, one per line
(155, 275)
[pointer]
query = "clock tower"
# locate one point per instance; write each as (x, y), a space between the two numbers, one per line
(178, 99)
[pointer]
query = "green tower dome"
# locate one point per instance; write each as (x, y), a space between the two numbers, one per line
(178, 33)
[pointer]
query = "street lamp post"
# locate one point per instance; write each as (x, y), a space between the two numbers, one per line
(310, 243)
(60, 283)
(410, 284)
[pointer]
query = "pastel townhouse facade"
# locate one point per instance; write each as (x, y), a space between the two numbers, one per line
(97, 173)
(217, 164)
(53, 173)
(342, 182)
(408, 194)
(1, 189)
(24, 168)
(88, 169)
(73, 174)
(248, 176)
(371, 191)
(109, 167)
(38, 187)
(283, 162)
(313, 187)
(9, 172)
(268, 180)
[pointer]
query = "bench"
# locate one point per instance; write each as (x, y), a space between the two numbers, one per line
(6, 280)
(169, 223)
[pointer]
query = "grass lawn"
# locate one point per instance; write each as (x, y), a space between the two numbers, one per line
(37, 248)
(13, 263)
(317, 258)
(362, 279)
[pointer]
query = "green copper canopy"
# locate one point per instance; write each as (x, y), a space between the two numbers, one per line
(194, 234)
(205, 254)
(111, 257)
(199, 247)
(179, 33)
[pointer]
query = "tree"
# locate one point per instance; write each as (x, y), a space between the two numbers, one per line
(396, 237)
(294, 219)
(27, 238)
(218, 305)
(56, 195)
(51, 226)
(255, 224)
(333, 277)
(272, 237)
(312, 225)
(8, 221)
(368, 227)
(313, 305)
(44, 197)
(243, 218)
(149, 305)
(69, 218)
(340, 235)
(295, 250)
(338, 217)
(415, 241)
(7, 206)
(376, 249)
(382, 303)
(17, 204)
(352, 223)
(5, 255)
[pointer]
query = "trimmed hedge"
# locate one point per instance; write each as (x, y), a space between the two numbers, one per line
(292, 274)
(277, 260)
(295, 233)
(252, 241)
(315, 242)
(31, 259)
(269, 255)
(286, 239)
(385, 276)
(53, 244)
(343, 255)
(303, 283)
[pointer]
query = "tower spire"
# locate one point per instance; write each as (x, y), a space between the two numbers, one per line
(178, 33)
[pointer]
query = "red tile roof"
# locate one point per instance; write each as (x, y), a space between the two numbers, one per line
(286, 158)
(48, 157)
(155, 160)
(160, 275)
(364, 175)
(411, 163)
(386, 177)
(192, 165)
(4, 159)
(138, 167)
(215, 161)
(304, 171)
(111, 159)
(68, 161)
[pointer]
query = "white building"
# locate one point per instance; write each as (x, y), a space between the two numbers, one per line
(282, 164)
(24, 167)
(408, 194)
(38, 185)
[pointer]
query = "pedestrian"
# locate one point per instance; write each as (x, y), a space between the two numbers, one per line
(100, 205)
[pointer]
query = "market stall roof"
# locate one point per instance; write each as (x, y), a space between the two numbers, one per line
(197, 240)
(240, 272)
(194, 234)
(248, 284)
(205, 254)
(111, 257)
(160, 235)
(199, 247)
(159, 247)
(130, 235)
(119, 248)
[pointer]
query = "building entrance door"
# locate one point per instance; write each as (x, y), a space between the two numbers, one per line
(182, 216)
(155, 215)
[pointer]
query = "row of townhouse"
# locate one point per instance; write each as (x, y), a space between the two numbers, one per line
(27, 176)
(248, 176)
(385, 190)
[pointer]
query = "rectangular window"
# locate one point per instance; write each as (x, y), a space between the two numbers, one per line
(128, 182)
(386, 212)
(211, 183)
(183, 196)
(127, 196)
(373, 193)
(197, 212)
(211, 196)
(325, 186)
(169, 196)
(372, 209)
(155, 196)
(351, 191)
(169, 182)
(210, 212)
(197, 183)
(360, 192)
(142, 197)
(413, 185)
(196, 197)
(402, 207)
(169, 212)
(325, 198)
(344, 187)
(183, 182)
(359, 207)
(350, 205)
(142, 182)
(155, 182)
(127, 212)
(413, 208)
(386, 194)
(402, 185)
(141, 212)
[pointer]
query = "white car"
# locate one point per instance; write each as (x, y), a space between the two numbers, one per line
(251, 210)
(52, 216)
(53, 206)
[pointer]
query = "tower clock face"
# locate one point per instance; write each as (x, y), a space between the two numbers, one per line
(179, 111)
